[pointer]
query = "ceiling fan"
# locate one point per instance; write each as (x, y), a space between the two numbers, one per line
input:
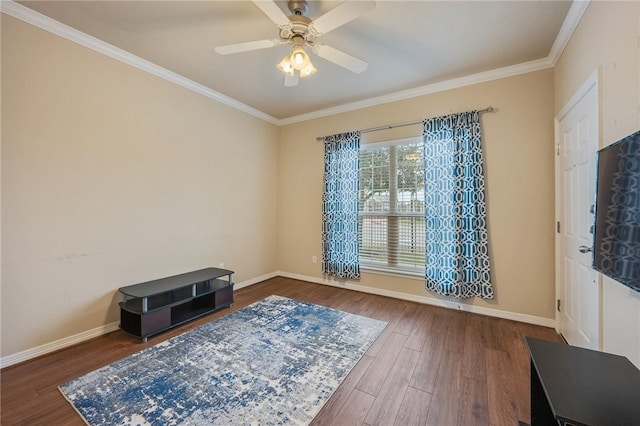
(299, 31)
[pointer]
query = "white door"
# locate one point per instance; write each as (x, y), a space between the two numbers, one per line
(578, 286)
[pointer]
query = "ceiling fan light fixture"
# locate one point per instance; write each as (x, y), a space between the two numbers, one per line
(308, 70)
(286, 66)
(299, 58)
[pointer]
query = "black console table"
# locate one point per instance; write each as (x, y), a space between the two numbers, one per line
(152, 307)
(576, 386)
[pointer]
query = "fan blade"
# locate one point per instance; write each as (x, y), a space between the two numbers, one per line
(271, 9)
(291, 80)
(244, 47)
(340, 15)
(338, 57)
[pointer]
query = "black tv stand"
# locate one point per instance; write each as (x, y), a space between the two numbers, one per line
(576, 386)
(152, 307)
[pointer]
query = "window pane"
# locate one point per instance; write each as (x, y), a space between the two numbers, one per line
(374, 180)
(411, 241)
(392, 210)
(373, 243)
(410, 179)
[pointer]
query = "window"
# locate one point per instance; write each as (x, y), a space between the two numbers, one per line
(391, 205)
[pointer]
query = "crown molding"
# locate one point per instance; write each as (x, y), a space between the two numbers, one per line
(41, 21)
(571, 21)
(496, 74)
(32, 17)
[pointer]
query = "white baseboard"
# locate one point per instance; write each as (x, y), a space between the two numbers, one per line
(530, 319)
(96, 332)
(57, 345)
(256, 280)
(108, 328)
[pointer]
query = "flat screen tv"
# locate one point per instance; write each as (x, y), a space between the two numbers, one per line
(616, 248)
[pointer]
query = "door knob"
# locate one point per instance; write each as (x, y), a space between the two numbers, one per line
(585, 249)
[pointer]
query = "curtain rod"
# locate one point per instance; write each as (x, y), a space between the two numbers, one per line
(409, 123)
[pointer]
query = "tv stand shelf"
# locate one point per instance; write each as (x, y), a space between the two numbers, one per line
(152, 307)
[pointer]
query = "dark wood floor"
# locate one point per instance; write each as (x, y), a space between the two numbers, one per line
(430, 366)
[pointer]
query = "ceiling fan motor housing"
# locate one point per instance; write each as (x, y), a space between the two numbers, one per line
(299, 28)
(298, 8)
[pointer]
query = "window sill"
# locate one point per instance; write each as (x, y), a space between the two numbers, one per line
(417, 275)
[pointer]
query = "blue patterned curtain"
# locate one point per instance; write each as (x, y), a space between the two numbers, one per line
(340, 250)
(457, 255)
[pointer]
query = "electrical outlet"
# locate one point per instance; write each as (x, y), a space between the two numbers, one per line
(314, 259)
(220, 265)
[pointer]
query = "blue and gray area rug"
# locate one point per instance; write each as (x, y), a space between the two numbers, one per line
(275, 362)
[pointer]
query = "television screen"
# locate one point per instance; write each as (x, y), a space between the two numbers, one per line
(616, 250)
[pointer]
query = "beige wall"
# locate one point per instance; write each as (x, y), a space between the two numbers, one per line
(111, 176)
(519, 158)
(608, 39)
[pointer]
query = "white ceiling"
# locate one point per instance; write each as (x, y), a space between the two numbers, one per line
(408, 44)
